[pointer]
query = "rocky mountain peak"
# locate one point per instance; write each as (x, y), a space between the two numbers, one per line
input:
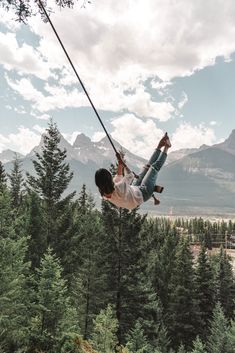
(81, 140)
(229, 144)
(231, 140)
(64, 143)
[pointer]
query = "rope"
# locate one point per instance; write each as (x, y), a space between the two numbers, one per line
(41, 6)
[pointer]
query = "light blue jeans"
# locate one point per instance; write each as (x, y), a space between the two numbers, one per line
(148, 176)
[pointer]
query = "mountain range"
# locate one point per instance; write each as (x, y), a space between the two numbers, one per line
(197, 181)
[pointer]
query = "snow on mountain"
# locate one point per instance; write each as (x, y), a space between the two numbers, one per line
(84, 150)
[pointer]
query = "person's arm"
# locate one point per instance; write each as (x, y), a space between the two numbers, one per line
(120, 168)
(121, 165)
(119, 175)
(129, 176)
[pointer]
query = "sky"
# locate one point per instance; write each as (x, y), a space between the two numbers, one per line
(149, 66)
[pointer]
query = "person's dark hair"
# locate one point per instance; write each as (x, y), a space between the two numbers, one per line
(104, 181)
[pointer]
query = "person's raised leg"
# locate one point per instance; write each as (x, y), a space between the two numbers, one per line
(157, 151)
(148, 182)
(152, 159)
(162, 158)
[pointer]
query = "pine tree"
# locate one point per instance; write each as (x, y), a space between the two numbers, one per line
(218, 338)
(183, 313)
(7, 218)
(51, 180)
(35, 228)
(6, 214)
(205, 291)
(88, 282)
(137, 341)
(163, 341)
(226, 284)
(3, 178)
(131, 292)
(198, 346)
(16, 183)
(181, 349)
(14, 306)
(104, 337)
(85, 201)
(231, 337)
(54, 314)
(161, 262)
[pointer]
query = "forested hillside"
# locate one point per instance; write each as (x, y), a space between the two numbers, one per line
(76, 279)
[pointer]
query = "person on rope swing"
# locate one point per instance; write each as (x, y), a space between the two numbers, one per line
(121, 190)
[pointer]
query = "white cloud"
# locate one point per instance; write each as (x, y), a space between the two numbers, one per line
(154, 38)
(3, 142)
(160, 85)
(189, 136)
(142, 105)
(116, 47)
(25, 59)
(59, 97)
(25, 88)
(98, 135)
(138, 136)
(183, 101)
(20, 109)
(39, 129)
(43, 117)
(139, 102)
(22, 141)
(213, 123)
(115, 50)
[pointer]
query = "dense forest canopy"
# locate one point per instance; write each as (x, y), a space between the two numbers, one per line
(78, 279)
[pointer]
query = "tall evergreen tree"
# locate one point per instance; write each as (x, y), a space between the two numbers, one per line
(205, 291)
(137, 341)
(181, 349)
(131, 291)
(183, 313)
(231, 337)
(3, 178)
(88, 283)
(54, 314)
(161, 262)
(51, 180)
(85, 201)
(198, 346)
(226, 284)
(35, 229)
(163, 341)
(104, 337)
(14, 313)
(6, 215)
(218, 339)
(16, 183)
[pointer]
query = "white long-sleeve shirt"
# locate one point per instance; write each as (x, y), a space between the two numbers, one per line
(125, 195)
